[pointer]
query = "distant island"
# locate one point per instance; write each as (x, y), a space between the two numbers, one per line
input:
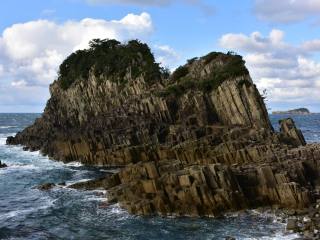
(301, 111)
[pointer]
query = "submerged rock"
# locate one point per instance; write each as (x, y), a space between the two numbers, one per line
(197, 142)
(46, 186)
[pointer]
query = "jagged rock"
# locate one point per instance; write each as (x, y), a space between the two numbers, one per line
(3, 165)
(290, 132)
(198, 143)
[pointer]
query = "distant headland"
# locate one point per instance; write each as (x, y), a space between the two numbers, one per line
(300, 111)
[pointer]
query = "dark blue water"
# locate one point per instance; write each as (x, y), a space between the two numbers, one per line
(27, 213)
(309, 124)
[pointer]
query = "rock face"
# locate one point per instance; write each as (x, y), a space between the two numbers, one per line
(197, 142)
(291, 133)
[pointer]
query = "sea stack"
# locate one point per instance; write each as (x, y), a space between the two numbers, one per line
(197, 142)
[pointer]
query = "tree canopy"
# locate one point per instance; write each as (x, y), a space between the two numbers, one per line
(110, 58)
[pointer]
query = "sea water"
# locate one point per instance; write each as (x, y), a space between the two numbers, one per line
(62, 213)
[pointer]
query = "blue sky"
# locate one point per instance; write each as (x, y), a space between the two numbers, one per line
(279, 41)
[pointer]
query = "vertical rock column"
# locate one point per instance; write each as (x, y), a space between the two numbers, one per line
(238, 102)
(291, 133)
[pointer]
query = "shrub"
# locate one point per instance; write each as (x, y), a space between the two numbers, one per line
(211, 56)
(179, 73)
(233, 66)
(110, 58)
(165, 72)
(192, 60)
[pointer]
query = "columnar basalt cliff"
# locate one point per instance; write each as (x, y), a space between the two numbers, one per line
(197, 142)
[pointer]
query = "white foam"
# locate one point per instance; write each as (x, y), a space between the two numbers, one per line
(110, 170)
(97, 198)
(116, 209)
(22, 166)
(78, 181)
(6, 127)
(74, 164)
(24, 212)
(278, 236)
(2, 141)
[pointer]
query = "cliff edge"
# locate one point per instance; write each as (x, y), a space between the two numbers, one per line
(195, 142)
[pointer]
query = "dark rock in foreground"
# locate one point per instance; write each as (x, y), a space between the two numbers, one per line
(3, 165)
(198, 143)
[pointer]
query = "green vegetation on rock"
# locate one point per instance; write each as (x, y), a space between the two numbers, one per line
(112, 59)
(180, 72)
(232, 66)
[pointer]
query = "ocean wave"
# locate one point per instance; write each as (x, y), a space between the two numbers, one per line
(24, 212)
(117, 209)
(22, 166)
(6, 127)
(121, 214)
(74, 164)
(278, 236)
(77, 181)
(3, 137)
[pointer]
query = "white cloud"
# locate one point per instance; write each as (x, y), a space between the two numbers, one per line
(20, 83)
(36, 48)
(1, 70)
(31, 52)
(287, 71)
(286, 11)
(166, 55)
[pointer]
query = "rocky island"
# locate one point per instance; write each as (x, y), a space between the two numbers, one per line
(197, 142)
(298, 111)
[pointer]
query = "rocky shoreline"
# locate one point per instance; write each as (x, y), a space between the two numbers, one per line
(197, 142)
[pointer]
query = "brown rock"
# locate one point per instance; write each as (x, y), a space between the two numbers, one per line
(46, 186)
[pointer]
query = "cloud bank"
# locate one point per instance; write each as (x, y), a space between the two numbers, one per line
(288, 72)
(31, 52)
(286, 11)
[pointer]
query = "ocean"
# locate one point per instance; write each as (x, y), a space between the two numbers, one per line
(62, 213)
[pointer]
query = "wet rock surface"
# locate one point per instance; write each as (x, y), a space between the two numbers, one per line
(3, 165)
(305, 222)
(199, 143)
(46, 186)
